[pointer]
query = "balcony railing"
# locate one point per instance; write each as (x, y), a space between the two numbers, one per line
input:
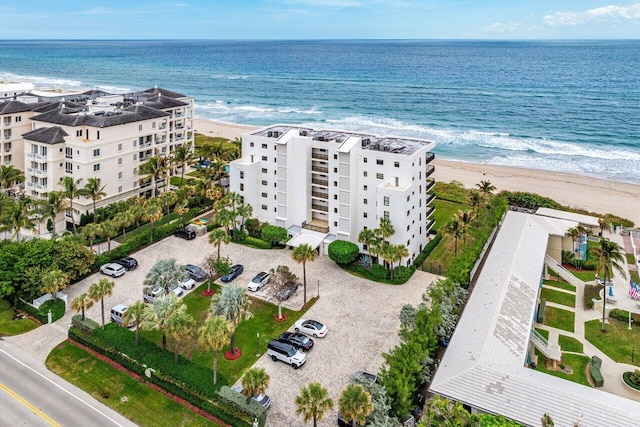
(7, 149)
(145, 185)
(430, 157)
(319, 169)
(320, 195)
(320, 182)
(429, 170)
(316, 228)
(146, 144)
(319, 156)
(430, 198)
(430, 184)
(429, 211)
(429, 224)
(41, 172)
(320, 208)
(41, 187)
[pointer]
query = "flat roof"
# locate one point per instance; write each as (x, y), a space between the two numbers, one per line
(589, 220)
(484, 363)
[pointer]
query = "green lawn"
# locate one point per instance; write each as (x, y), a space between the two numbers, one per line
(577, 363)
(558, 318)
(543, 332)
(558, 297)
(8, 326)
(562, 285)
(143, 405)
(585, 275)
(445, 210)
(568, 343)
(617, 342)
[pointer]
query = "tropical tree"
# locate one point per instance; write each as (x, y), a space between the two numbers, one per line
(604, 224)
(475, 199)
(138, 211)
(465, 218)
(108, 230)
(134, 315)
(439, 411)
(168, 199)
(18, 215)
(486, 188)
(226, 218)
(10, 176)
(99, 290)
(153, 214)
(214, 334)
(70, 190)
(355, 404)
(385, 229)
(181, 209)
(455, 229)
(280, 280)
(244, 211)
(312, 402)
(608, 256)
(81, 303)
(53, 281)
(182, 156)
(90, 231)
(218, 237)
(255, 381)
(155, 315)
(54, 204)
(122, 220)
(233, 303)
(94, 191)
(302, 254)
(398, 252)
(368, 238)
(164, 274)
(179, 325)
(155, 168)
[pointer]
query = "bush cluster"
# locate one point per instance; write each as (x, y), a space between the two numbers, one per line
(87, 325)
(401, 274)
(422, 257)
(255, 243)
(242, 403)
(57, 308)
(343, 252)
(623, 315)
(32, 311)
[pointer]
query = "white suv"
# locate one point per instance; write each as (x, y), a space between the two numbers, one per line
(258, 281)
(113, 270)
(287, 353)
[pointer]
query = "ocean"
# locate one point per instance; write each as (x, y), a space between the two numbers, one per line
(570, 106)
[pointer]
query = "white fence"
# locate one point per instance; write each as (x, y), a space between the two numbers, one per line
(46, 297)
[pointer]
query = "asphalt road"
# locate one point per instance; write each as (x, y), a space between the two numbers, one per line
(30, 395)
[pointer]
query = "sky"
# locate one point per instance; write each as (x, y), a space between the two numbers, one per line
(320, 19)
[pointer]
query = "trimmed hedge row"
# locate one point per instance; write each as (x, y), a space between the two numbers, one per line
(254, 243)
(57, 308)
(87, 325)
(420, 259)
(242, 403)
(188, 380)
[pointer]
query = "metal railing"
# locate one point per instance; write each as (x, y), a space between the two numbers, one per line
(320, 208)
(320, 182)
(541, 343)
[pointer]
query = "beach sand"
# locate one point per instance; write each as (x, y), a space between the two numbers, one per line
(595, 195)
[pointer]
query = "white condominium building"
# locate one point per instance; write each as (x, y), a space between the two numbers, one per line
(50, 135)
(337, 183)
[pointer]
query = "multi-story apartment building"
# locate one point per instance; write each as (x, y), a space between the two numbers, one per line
(94, 134)
(14, 121)
(337, 183)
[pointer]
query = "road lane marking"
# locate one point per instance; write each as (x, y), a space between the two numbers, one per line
(28, 404)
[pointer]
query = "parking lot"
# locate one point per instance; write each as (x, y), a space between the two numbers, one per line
(362, 317)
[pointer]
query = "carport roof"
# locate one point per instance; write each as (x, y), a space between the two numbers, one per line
(311, 238)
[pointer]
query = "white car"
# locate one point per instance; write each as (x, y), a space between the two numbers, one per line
(177, 290)
(258, 281)
(113, 270)
(187, 284)
(310, 327)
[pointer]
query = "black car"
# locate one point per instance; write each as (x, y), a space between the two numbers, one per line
(195, 272)
(185, 233)
(285, 293)
(128, 263)
(236, 270)
(298, 340)
(366, 375)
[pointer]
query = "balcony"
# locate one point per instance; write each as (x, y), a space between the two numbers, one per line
(320, 182)
(430, 184)
(319, 169)
(160, 141)
(429, 211)
(429, 158)
(429, 171)
(429, 224)
(320, 208)
(430, 198)
(145, 185)
(145, 158)
(320, 195)
(319, 156)
(41, 172)
(41, 187)
(145, 145)
(7, 121)
(30, 184)
(7, 149)
(316, 225)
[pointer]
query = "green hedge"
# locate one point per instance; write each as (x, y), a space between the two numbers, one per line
(29, 309)
(87, 325)
(343, 252)
(57, 308)
(242, 404)
(255, 243)
(420, 259)
(401, 274)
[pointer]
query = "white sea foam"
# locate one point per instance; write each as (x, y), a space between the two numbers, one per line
(41, 80)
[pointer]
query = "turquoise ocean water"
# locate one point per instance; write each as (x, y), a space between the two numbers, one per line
(571, 106)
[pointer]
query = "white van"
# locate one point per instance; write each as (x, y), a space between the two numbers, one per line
(117, 313)
(150, 295)
(287, 353)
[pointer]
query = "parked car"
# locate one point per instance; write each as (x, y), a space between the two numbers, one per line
(262, 399)
(286, 292)
(366, 375)
(128, 263)
(150, 295)
(286, 352)
(112, 269)
(117, 314)
(300, 341)
(185, 233)
(236, 270)
(258, 281)
(187, 283)
(310, 327)
(195, 272)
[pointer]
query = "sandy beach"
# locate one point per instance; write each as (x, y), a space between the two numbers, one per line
(595, 195)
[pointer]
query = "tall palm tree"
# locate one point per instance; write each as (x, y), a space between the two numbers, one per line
(90, 231)
(465, 218)
(214, 334)
(385, 229)
(94, 191)
(163, 274)
(54, 281)
(226, 218)
(608, 256)
(81, 303)
(399, 253)
(302, 254)
(387, 253)
(122, 220)
(233, 303)
(154, 168)
(355, 404)
(108, 230)
(10, 176)
(168, 199)
(368, 238)
(133, 315)
(19, 215)
(475, 199)
(486, 188)
(455, 229)
(153, 214)
(138, 210)
(54, 204)
(218, 237)
(70, 188)
(312, 403)
(179, 325)
(99, 290)
(603, 223)
(255, 381)
(244, 211)
(181, 208)
(182, 156)
(155, 315)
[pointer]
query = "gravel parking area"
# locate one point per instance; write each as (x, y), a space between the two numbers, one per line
(362, 317)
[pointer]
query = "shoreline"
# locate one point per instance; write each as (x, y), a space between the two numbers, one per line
(578, 191)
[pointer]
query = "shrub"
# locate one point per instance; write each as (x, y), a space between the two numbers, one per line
(343, 252)
(238, 235)
(254, 227)
(57, 308)
(31, 310)
(274, 234)
(623, 315)
(239, 401)
(256, 243)
(420, 259)
(529, 200)
(401, 274)
(87, 325)
(378, 272)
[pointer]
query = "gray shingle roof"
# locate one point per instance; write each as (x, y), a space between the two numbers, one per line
(164, 92)
(161, 101)
(48, 135)
(73, 117)
(11, 107)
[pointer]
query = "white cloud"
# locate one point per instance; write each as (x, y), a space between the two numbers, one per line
(507, 28)
(604, 13)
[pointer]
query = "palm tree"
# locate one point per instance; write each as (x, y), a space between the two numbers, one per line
(54, 204)
(164, 274)
(153, 214)
(10, 176)
(19, 215)
(439, 411)
(312, 403)
(54, 281)
(70, 190)
(109, 230)
(608, 256)
(133, 315)
(368, 238)
(181, 208)
(355, 404)
(233, 303)
(214, 334)
(455, 229)
(81, 303)
(302, 254)
(399, 252)
(475, 200)
(93, 191)
(98, 291)
(179, 325)
(387, 253)
(122, 220)
(155, 315)
(244, 211)
(154, 168)
(90, 231)
(255, 381)
(226, 218)
(138, 211)
(465, 218)
(218, 237)
(385, 229)
(604, 223)
(486, 188)
(168, 199)
(182, 156)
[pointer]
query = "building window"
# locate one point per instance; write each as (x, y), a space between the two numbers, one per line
(120, 189)
(335, 197)
(264, 207)
(379, 162)
(119, 175)
(68, 152)
(264, 170)
(365, 215)
(241, 187)
(335, 223)
(264, 146)
(264, 158)
(396, 164)
(408, 197)
(408, 213)
(385, 200)
(251, 144)
(408, 227)
(335, 183)
(96, 167)
(365, 188)
(139, 128)
(386, 215)
(365, 201)
(275, 160)
(364, 174)
(135, 157)
(335, 157)
(78, 133)
(68, 167)
(241, 174)
(380, 175)
(264, 195)
(420, 229)
(335, 210)
(420, 175)
(96, 152)
(364, 159)
(18, 119)
(119, 161)
(43, 151)
(97, 134)
(135, 142)
(120, 147)
(264, 182)
(135, 171)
